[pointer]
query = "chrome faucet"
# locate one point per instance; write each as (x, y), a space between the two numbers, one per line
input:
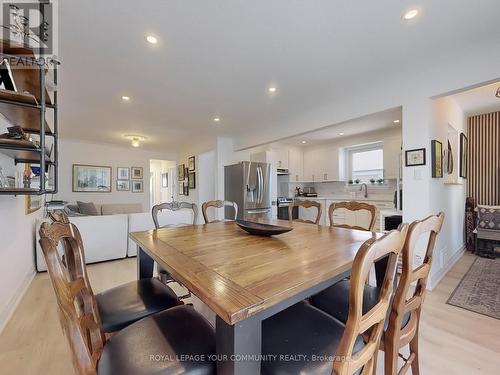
(366, 189)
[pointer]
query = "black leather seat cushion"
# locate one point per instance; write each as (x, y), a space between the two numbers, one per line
(302, 330)
(175, 341)
(128, 303)
(335, 301)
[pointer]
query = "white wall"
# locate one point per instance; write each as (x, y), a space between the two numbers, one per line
(160, 193)
(17, 261)
(76, 152)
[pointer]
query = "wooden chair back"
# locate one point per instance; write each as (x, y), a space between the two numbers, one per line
(217, 204)
(78, 310)
(305, 204)
(371, 323)
(397, 337)
(353, 206)
(173, 206)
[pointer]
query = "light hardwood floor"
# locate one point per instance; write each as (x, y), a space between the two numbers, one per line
(453, 341)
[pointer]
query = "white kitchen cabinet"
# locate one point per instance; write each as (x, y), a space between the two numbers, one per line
(296, 164)
(282, 158)
(321, 164)
(392, 148)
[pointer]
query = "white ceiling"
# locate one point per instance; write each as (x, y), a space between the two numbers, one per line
(217, 58)
(479, 100)
(366, 124)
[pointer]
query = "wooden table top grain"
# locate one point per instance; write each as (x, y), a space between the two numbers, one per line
(237, 274)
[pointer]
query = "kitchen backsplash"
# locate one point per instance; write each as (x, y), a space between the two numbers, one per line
(328, 189)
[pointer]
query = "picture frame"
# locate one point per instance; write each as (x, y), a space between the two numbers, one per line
(164, 180)
(415, 157)
(137, 173)
(181, 188)
(137, 186)
(192, 180)
(192, 163)
(463, 155)
(123, 173)
(437, 158)
(122, 185)
(186, 173)
(186, 189)
(33, 203)
(91, 178)
(181, 172)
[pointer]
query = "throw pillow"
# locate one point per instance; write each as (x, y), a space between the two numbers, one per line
(87, 208)
(489, 217)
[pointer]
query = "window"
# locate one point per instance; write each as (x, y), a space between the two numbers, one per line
(366, 162)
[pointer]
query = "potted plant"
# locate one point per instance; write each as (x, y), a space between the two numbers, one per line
(357, 181)
(380, 180)
(372, 180)
(350, 182)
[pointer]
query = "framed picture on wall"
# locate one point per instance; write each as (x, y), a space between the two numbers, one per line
(191, 163)
(181, 176)
(186, 189)
(437, 159)
(463, 155)
(192, 180)
(137, 173)
(164, 180)
(137, 186)
(122, 185)
(123, 173)
(415, 157)
(91, 178)
(180, 188)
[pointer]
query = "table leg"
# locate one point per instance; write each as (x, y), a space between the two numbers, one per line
(145, 264)
(236, 343)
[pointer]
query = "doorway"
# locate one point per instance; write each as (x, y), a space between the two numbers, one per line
(161, 181)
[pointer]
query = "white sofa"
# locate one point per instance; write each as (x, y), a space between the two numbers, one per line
(106, 237)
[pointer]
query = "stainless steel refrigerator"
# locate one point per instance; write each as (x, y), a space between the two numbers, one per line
(248, 184)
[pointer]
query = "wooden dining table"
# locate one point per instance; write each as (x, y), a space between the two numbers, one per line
(245, 278)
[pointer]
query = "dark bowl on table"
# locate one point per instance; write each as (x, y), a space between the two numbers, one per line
(261, 229)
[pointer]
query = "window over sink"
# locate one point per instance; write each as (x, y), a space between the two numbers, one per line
(365, 162)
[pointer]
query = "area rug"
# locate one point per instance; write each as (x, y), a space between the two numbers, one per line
(479, 289)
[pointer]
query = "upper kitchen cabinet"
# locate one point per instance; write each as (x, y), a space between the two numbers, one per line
(392, 150)
(296, 164)
(282, 158)
(320, 164)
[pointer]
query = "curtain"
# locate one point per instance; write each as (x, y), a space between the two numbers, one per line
(483, 169)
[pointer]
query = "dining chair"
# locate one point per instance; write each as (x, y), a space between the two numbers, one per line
(320, 343)
(164, 276)
(217, 204)
(120, 306)
(178, 332)
(305, 204)
(353, 207)
(402, 324)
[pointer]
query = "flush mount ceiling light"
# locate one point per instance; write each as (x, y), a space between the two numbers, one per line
(151, 39)
(125, 98)
(272, 89)
(216, 119)
(411, 14)
(498, 93)
(396, 121)
(136, 139)
(341, 134)
(304, 142)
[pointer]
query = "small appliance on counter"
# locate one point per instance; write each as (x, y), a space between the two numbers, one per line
(309, 192)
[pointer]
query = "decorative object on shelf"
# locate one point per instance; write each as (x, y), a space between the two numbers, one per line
(186, 189)
(123, 173)
(137, 173)
(137, 186)
(380, 181)
(372, 181)
(3, 180)
(437, 159)
(357, 181)
(180, 188)
(463, 155)
(91, 178)
(260, 229)
(415, 157)
(181, 172)
(192, 180)
(164, 180)
(350, 182)
(122, 185)
(191, 163)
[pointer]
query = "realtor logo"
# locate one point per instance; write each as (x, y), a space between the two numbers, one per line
(30, 24)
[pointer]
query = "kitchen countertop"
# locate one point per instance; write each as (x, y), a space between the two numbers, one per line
(349, 198)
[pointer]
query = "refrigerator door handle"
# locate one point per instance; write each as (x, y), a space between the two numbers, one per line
(260, 184)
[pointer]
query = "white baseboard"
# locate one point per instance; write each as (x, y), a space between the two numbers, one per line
(438, 276)
(8, 309)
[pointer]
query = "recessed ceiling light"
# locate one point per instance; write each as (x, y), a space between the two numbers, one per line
(304, 142)
(216, 119)
(411, 14)
(151, 39)
(341, 133)
(125, 98)
(272, 89)
(396, 121)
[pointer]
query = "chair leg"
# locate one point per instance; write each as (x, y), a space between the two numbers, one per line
(415, 370)
(390, 358)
